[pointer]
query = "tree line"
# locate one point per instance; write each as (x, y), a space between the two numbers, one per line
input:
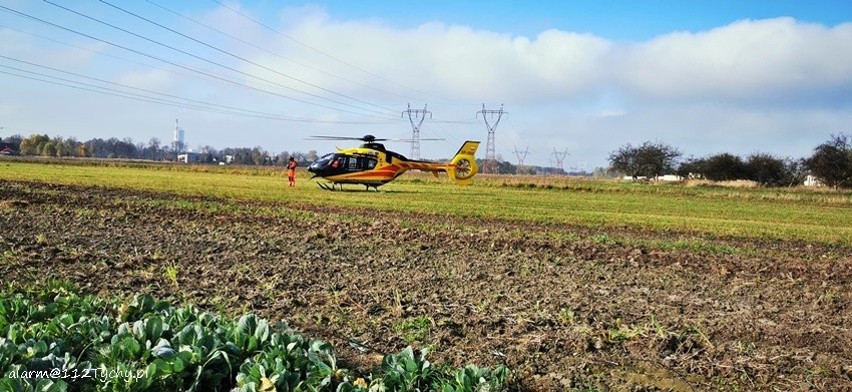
(43, 145)
(830, 163)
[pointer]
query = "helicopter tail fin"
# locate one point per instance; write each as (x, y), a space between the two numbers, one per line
(463, 166)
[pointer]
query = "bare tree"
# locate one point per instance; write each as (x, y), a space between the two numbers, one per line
(649, 159)
(766, 169)
(832, 162)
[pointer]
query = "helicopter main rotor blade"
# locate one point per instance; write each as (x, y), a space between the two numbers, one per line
(363, 138)
(410, 140)
(320, 137)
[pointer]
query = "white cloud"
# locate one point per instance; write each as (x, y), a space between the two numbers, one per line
(480, 65)
(453, 62)
(751, 60)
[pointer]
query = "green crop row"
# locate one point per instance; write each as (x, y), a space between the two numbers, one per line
(56, 340)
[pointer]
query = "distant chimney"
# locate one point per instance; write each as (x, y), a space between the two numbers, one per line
(179, 140)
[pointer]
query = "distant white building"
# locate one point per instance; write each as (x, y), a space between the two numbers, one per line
(189, 157)
(669, 178)
(811, 180)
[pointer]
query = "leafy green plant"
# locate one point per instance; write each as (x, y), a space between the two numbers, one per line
(406, 371)
(149, 345)
(473, 378)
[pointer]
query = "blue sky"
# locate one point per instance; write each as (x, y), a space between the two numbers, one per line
(617, 20)
(586, 77)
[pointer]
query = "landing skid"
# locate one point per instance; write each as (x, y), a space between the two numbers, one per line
(334, 186)
(329, 186)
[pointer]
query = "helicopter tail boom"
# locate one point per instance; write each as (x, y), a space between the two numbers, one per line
(460, 169)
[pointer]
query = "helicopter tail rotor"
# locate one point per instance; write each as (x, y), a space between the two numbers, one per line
(463, 166)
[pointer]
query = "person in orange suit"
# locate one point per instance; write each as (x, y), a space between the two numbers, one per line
(291, 171)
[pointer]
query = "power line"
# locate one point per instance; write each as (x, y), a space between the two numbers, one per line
(75, 46)
(263, 114)
(109, 82)
(364, 85)
(129, 61)
(211, 61)
(315, 49)
(117, 57)
(175, 64)
(447, 139)
(201, 105)
(456, 121)
(242, 58)
(117, 93)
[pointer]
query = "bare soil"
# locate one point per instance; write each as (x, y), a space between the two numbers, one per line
(564, 307)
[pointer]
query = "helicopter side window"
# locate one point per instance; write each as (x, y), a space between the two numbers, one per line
(361, 163)
(339, 162)
(324, 160)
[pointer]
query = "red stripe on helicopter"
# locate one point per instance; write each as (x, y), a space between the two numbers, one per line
(372, 174)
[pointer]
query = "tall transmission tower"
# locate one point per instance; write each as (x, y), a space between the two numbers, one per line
(179, 139)
(559, 157)
(414, 114)
(521, 155)
(491, 154)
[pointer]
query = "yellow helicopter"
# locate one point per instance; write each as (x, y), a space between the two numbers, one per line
(372, 165)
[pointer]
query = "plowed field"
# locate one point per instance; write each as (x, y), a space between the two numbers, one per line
(563, 306)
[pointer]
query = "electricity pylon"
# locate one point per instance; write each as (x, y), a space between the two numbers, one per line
(414, 114)
(491, 151)
(521, 155)
(559, 156)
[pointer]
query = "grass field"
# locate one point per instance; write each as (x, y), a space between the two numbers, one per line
(573, 284)
(749, 213)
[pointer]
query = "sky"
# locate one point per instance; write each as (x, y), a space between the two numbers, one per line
(580, 78)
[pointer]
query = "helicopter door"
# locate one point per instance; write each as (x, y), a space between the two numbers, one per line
(352, 164)
(369, 163)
